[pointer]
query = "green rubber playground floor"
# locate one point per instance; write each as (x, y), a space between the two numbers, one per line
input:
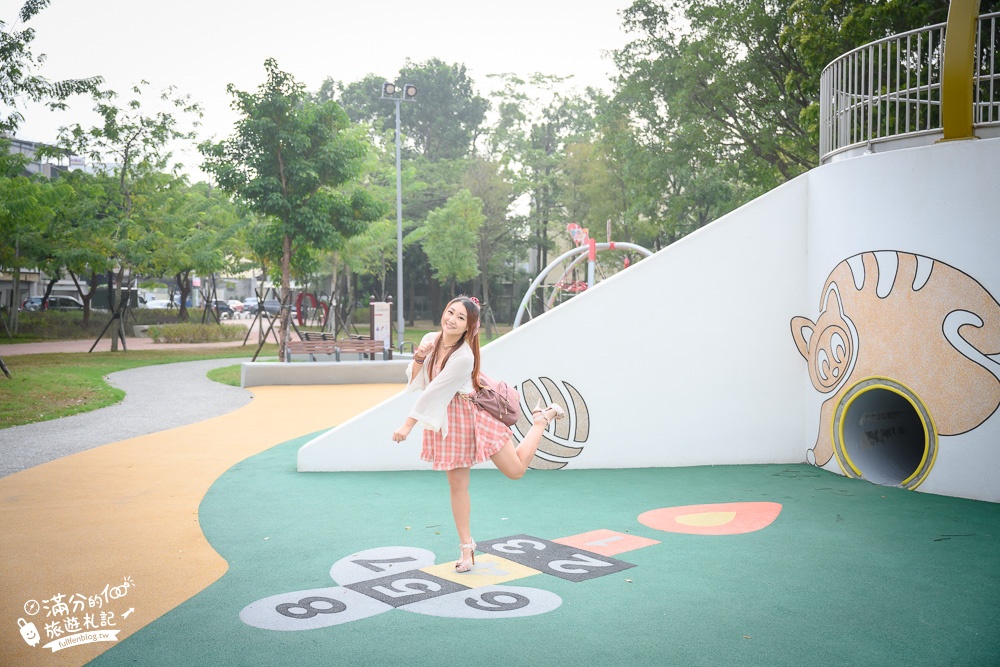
(847, 573)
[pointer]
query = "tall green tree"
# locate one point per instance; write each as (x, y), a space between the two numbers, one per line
(289, 159)
(538, 118)
(25, 213)
(19, 77)
(442, 123)
(719, 71)
(197, 235)
(82, 229)
(500, 242)
(450, 239)
(132, 146)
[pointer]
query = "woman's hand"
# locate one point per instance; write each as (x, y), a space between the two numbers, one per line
(424, 349)
(400, 434)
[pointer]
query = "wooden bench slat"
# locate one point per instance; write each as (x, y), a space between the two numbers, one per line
(312, 346)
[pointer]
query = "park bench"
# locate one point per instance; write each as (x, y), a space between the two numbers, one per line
(315, 343)
(362, 346)
(310, 347)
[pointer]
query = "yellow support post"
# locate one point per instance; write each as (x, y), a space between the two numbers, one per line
(957, 73)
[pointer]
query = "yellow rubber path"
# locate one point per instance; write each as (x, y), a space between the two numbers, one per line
(130, 509)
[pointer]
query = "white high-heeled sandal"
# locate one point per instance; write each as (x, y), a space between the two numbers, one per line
(463, 564)
(539, 412)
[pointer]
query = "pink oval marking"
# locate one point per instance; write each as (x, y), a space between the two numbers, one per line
(715, 519)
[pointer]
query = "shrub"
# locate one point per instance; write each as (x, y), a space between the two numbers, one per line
(59, 324)
(154, 316)
(195, 333)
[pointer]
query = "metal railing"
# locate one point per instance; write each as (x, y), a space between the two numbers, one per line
(891, 89)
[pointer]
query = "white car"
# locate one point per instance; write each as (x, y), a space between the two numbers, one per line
(159, 304)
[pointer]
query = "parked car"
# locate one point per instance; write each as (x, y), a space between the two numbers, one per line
(273, 307)
(250, 305)
(55, 302)
(159, 303)
(223, 309)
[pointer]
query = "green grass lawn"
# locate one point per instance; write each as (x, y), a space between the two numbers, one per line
(49, 386)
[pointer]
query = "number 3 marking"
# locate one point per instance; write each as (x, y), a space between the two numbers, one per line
(511, 546)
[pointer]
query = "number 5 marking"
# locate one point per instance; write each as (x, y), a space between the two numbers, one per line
(408, 587)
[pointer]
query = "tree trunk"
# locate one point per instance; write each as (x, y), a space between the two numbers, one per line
(331, 320)
(286, 291)
(85, 298)
(48, 291)
(16, 305)
(184, 285)
(119, 292)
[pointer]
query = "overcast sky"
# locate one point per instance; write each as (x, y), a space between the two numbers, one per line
(201, 46)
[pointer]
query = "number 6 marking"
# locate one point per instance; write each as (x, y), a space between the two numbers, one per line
(495, 602)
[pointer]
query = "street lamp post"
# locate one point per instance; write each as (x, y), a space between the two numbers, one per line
(406, 94)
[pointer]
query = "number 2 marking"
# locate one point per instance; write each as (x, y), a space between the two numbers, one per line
(578, 559)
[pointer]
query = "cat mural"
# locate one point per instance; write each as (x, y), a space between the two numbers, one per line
(914, 320)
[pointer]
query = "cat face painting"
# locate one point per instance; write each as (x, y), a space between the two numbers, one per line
(918, 323)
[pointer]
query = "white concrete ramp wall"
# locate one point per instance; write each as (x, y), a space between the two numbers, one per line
(687, 358)
(680, 360)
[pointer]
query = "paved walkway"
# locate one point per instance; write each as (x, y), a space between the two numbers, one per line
(157, 398)
(104, 345)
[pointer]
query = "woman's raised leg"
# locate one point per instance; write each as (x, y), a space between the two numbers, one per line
(514, 461)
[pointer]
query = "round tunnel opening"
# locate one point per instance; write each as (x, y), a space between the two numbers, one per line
(885, 434)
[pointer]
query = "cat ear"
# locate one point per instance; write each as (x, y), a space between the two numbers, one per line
(832, 294)
(802, 332)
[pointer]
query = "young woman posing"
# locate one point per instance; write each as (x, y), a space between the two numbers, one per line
(457, 434)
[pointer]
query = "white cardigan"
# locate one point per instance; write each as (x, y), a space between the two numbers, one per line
(431, 408)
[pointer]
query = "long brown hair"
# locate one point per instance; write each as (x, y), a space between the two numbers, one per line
(469, 336)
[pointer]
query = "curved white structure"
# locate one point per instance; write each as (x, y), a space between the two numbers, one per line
(720, 379)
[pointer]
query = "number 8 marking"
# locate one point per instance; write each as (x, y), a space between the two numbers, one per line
(306, 604)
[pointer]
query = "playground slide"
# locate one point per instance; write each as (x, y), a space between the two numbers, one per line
(848, 318)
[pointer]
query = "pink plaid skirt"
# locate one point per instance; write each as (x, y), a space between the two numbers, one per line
(473, 436)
